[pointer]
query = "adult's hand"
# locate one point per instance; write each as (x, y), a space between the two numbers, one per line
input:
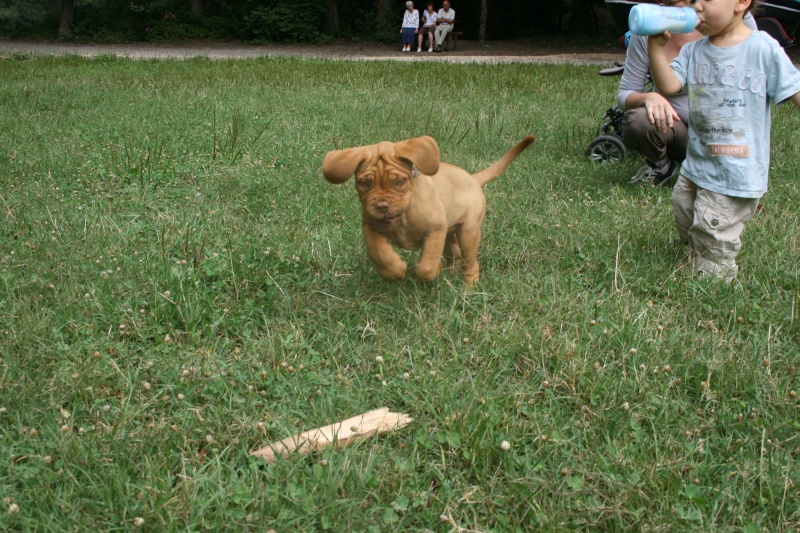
(659, 111)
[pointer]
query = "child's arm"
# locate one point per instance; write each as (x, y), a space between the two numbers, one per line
(662, 73)
(663, 78)
(796, 99)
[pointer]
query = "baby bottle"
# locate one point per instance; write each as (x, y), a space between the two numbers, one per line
(650, 19)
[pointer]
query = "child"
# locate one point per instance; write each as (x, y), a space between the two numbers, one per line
(731, 76)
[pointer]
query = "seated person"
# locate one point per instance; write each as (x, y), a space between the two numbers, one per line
(444, 24)
(410, 26)
(662, 151)
(429, 17)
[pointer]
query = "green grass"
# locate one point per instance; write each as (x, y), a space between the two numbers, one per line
(146, 199)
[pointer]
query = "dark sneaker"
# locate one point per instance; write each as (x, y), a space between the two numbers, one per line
(649, 174)
(661, 178)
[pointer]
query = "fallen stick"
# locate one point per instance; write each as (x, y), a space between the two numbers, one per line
(338, 434)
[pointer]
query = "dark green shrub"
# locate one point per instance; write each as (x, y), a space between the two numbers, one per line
(297, 23)
(28, 18)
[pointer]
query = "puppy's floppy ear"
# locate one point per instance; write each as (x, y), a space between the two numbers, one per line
(422, 151)
(339, 165)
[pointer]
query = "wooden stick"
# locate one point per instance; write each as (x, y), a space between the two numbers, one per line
(338, 434)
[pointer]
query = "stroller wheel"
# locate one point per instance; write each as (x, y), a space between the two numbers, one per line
(606, 149)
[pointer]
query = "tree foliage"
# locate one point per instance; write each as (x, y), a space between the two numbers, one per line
(290, 21)
(27, 17)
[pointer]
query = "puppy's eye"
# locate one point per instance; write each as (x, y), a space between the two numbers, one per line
(399, 183)
(363, 184)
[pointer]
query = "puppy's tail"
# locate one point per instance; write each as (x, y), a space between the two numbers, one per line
(485, 176)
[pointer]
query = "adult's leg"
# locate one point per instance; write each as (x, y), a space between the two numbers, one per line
(640, 135)
(408, 37)
(438, 35)
(441, 33)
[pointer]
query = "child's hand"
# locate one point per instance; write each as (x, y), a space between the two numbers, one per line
(659, 40)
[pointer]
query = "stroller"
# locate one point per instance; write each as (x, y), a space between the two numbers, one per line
(779, 18)
(607, 146)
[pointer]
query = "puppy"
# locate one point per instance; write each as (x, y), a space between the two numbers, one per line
(411, 199)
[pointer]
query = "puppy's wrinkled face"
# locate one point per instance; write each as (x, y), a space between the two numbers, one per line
(383, 183)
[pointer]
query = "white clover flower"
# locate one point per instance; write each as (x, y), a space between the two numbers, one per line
(505, 445)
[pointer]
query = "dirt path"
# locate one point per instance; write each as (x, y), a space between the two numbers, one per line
(516, 51)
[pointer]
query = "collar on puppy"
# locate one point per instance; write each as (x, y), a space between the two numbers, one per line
(414, 171)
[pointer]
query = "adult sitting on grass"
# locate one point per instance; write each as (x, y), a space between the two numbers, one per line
(444, 24)
(663, 151)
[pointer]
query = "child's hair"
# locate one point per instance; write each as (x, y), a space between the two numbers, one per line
(755, 6)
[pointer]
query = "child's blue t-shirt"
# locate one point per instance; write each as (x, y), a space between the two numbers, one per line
(730, 90)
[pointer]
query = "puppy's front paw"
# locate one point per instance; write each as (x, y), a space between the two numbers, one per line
(428, 272)
(394, 272)
(471, 275)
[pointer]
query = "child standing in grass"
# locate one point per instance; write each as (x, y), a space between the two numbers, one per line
(732, 76)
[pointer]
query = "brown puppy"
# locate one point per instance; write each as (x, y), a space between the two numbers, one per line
(409, 198)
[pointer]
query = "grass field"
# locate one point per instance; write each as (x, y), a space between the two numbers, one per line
(179, 286)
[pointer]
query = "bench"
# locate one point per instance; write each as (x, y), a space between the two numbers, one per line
(451, 41)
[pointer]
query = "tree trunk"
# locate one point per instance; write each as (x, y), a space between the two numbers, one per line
(333, 22)
(66, 20)
(482, 27)
(197, 7)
